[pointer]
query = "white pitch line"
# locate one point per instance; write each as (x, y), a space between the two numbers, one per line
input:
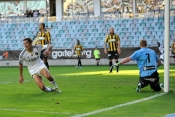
(117, 106)
(13, 82)
(31, 111)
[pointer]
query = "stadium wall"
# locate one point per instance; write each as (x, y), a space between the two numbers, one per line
(66, 56)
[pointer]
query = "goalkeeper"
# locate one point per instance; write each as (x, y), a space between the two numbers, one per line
(148, 62)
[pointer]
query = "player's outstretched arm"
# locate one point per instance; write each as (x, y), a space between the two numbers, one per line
(21, 79)
(119, 50)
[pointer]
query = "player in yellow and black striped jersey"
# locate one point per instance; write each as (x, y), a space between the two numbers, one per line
(173, 49)
(78, 48)
(113, 42)
(46, 34)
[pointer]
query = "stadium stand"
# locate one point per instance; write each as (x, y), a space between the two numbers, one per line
(91, 33)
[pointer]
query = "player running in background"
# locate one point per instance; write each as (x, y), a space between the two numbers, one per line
(161, 52)
(36, 67)
(173, 49)
(113, 42)
(47, 40)
(78, 48)
(148, 62)
(97, 55)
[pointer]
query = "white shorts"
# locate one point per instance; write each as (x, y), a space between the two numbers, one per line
(37, 69)
(162, 56)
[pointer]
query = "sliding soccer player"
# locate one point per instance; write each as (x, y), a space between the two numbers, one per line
(37, 68)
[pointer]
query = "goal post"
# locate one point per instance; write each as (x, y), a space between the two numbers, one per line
(166, 46)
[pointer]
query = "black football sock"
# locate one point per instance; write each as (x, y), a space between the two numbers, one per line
(110, 63)
(47, 65)
(80, 63)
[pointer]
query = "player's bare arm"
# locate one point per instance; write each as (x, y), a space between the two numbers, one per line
(125, 60)
(48, 50)
(21, 79)
(119, 50)
(105, 50)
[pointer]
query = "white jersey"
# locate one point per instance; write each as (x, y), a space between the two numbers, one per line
(32, 59)
(161, 49)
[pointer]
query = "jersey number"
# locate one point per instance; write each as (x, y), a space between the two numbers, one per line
(148, 57)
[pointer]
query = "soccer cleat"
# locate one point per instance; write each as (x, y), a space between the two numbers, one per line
(138, 89)
(76, 67)
(80, 67)
(161, 86)
(57, 90)
(51, 89)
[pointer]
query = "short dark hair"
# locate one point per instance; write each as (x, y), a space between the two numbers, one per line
(143, 43)
(28, 39)
(43, 24)
(78, 41)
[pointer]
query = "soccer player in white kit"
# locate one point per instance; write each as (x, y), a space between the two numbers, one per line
(36, 67)
(161, 52)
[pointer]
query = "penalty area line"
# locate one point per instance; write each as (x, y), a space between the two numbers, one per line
(31, 111)
(120, 105)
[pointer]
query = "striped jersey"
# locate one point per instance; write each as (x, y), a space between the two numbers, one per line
(78, 49)
(112, 40)
(46, 35)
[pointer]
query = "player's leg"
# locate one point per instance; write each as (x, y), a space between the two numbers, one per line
(44, 58)
(154, 82)
(141, 84)
(80, 61)
(98, 60)
(116, 56)
(40, 84)
(162, 59)
(110, 57)
(47, 75)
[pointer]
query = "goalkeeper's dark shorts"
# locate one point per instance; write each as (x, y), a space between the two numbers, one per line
(113, 55)
(152, 80)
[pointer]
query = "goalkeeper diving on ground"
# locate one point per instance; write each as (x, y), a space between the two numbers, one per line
(148, 63)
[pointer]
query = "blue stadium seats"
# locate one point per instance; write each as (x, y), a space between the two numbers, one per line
(94, 32)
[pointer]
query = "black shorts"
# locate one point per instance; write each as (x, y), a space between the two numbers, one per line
(113, 55)
(78, 57)
(152, 80)
(173, 55)
(42, 55)
(97, 59)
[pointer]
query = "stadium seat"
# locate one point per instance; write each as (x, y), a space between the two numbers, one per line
(143, 24)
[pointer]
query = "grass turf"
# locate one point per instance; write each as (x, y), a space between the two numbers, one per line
(83, 90)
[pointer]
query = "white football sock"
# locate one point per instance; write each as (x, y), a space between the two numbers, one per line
(54, 84)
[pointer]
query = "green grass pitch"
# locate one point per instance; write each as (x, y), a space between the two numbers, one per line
(83, 90)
